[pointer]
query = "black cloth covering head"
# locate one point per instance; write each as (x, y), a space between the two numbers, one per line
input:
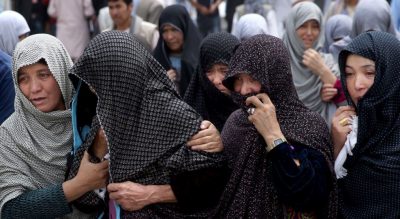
(178, 16)
(202, 95)
(145, 122)
(250, 192)
(371, 187)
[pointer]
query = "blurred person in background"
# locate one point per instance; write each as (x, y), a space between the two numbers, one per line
(13, 28)
(178, 47)
(72, 23)
(208, 19)
(121, 12)
(7, 92)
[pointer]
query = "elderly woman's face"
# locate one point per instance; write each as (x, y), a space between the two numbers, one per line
(308, 32)
(39, 86)
(245, 84)
(173, 37)
(360, 76)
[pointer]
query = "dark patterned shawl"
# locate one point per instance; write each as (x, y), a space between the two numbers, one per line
(371, 188)
(250, 192)
(178, 16)
(202, 95)
(146, 124)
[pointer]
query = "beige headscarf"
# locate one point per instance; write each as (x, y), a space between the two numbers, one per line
(34, 144)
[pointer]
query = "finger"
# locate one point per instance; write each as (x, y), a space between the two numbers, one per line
(264, 98)
(203, 147)
(205, 124)
(327, 86)
(103, 165)
(85, 156)
(114, 196)
(343, 109)
(200, 134)
(198, 141)
(254, 100)
(113, 187)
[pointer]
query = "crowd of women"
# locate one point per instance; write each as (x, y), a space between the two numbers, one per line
(242, 125)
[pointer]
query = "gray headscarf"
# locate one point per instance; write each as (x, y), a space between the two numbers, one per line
(34, 144)
(337, 27)
(308, 85)
(12, 25)
(250, 25)
(372, 15)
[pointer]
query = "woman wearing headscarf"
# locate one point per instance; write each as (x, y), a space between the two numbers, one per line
(36, 139)
(250, 25)
(13, 28)
(7, 92)
(177, 49)
(257, 7)
(314, 73)
(366, 134)
(370, 15)
(337, 27)
(206, 93)
(279, 150)
(346, 7)
(146, 126)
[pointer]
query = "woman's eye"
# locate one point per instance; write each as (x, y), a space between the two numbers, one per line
(44, 75)
(22, 79)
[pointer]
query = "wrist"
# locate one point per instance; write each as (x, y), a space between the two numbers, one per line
(160, 194)
(273, 140)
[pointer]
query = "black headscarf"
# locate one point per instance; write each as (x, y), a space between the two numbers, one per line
(250, 192)
(178, 16)
(145, 122)
(202, 95)
(371, 187)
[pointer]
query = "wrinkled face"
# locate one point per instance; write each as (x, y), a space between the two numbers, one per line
(216, 75)
(120, 12)
(245, 84)
(173, 38)
(39, 86)
(308, 32)
(360, 76)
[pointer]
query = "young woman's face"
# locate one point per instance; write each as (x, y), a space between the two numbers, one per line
(308, 32)
(245, 84)
(173, 37)
(39, 86)
(216, 74)
(360, 76)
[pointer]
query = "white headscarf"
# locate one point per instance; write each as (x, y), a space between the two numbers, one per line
(250, 25)
(33, 144)
(12, 25)
(308, 85)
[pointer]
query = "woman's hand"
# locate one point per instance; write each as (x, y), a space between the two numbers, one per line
(341, 127)
(328, 92)
(171, 74)
(264, 118)
(90, 176)
(314, 61)
(134, 196)
(207, 139)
